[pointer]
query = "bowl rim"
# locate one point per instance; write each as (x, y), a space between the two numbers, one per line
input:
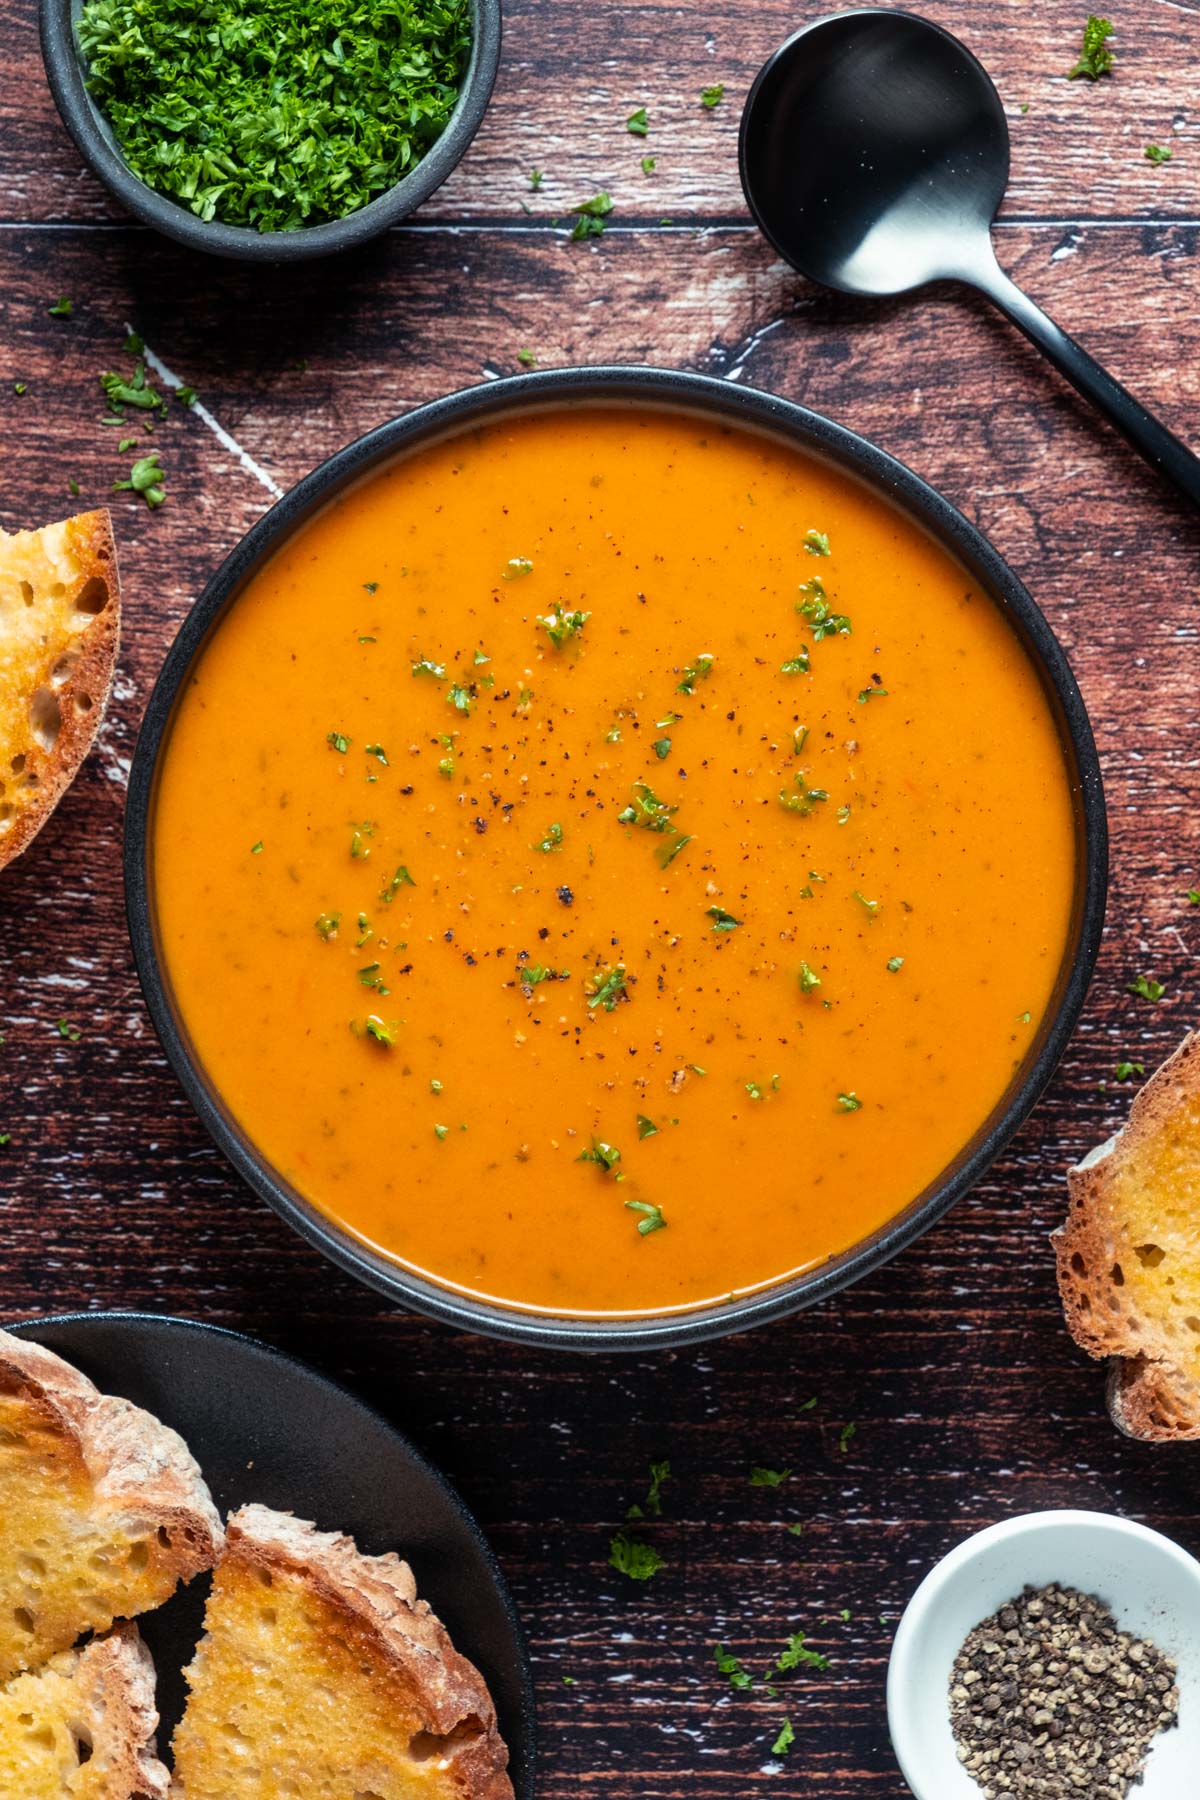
(93, 138)
(905, 1657)
(895, 484)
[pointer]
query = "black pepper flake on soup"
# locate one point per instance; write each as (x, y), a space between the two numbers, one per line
(1050, 1697)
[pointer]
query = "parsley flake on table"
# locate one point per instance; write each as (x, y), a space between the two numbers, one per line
(187, 396)
(5, 1139)
(785, 1740)
(1158, 154)
(1095, 58)
(729, 1665)
(275, 115)
(1146, 988)
(527, 359)
(637, 124)
(651, 1507)
(593, 215)
(796, 1655)
(1126, 1071)
(630, 1556)
(66, 1030)
(136, 391)
(535, 180)
(649, 164)
(844, 1436)
(768, 1478)
(712, 96)
(62, 309)
(145, 478)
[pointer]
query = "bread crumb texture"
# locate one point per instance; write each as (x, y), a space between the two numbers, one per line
(102, 1509)
(82, 1727)
(59, 629)
(1129, 1255)
(322, 1676)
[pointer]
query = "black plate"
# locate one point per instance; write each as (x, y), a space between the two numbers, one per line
(263, 1427)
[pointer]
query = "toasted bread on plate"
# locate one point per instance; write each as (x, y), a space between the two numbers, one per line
(82, 1726)
(103, 1510)
(1129, 1255)
(321, 1675)
(60, 612)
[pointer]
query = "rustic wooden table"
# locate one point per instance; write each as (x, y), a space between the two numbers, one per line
(969, 1401)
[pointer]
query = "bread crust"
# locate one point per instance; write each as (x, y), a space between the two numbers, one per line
(377, 1595)
(115, 1678)
(88, 538)
(1149, 1395)
(140, 1469)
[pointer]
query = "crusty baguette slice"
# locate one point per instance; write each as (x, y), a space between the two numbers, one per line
(82, 1727)
(102, 1509)
(321, 1676)
(1129, 1255)
(60, 613)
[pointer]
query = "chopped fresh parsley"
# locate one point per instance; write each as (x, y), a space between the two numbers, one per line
(5, 1139)
(712, 96)
(1095, 58)
(795, 665)
(134, 392)
(808, 979)
(327, 925)
(768, 1478)
(425, 665)
(785, 1740)
(562, 627)
(804, 798)
(187, 396)
(441, 1132)
(400, 879)
(649, 164)
(383, 1034)
(535, 180)
(1146, 988)
(359, 847)
(630, 1556)
(651, 1506)
(531, 975)
(757, 1090)
(696, 671)
(871, 693)
(371, 977)
(527, 359)
(729, 1665)
(814, 606)
(1125, 1071)
(646, 810)
(378, 752)
(651, 1217)
(516, 567)
(646, 1127)
(722, 920)
(607, 989)
(895, 964)
(1193, 896)
(280, 117)
(869, 906)
(256, 849)
(145, 478)
(796, 1655)
(849, 1102)
(65, 1029)
(817, 543)
(339, 741)
(592, 216)
(552, 840)
(459, 697)
(62, 309)
(637, 124)
(661, 748)
(605, 1156)
(844, 1436)
(1158, 154)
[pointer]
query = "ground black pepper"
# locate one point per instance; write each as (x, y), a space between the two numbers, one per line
(1050, 1697)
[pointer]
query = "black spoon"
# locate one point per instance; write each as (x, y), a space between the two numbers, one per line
(874, 156)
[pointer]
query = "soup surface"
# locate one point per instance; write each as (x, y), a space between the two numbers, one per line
(608, 861)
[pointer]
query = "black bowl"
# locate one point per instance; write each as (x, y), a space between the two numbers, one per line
(895, 484)
(94, 139)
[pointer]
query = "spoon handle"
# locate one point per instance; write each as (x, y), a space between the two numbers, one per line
(1160, 447)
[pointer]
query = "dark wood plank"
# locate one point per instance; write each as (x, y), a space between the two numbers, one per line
(970, 1403)
(572, 72)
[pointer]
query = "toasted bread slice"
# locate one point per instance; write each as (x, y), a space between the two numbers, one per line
(1129, 1255)
(102, 1509)
(322, 1676)
(82, 1727)
(60, 613)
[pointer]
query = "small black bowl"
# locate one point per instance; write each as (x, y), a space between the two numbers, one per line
(715, 401)
(96, 143)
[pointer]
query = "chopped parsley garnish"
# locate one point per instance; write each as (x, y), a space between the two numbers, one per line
(425, 665)
(700, 670)
(62, 309)
(651, 1217)
(1125, 1071)
(795, 1655)
(605, 1156)
(562, 627)
(646, 1127)
(527, 359)
(134, 392)
(552, 840)
(339, 741)
(843, 813)
(327, 925)
(1157, 154)
(516, 567)
(383, 1034)
(712, 96)
(651, 1506)
(662, 748)
(607, 989)
(371, 977)
(845, 1435)
(768, 1478)
(531, 975)
(808, 979)
(871, 693)
(630, 1556)
(649, 164)
(817, 543)
(256, 849)
(400, 879)
(145, 478)
(1193, 896)
(592, 216)
(869, 906)
(459, 697)
(895, 964)
(65, 1029)
(668, 852)
(5, 1139)
(378, 752)
(804, 798)
(785, 1740)
(187, 396)
(359, 847)
(278, 118)
(849, 1102)
(757, 1090)
(535, 180)
(637, 124)
(441, 1133)
(795, 665)
(646, 810)
(729, 1665)
(722, 920)
(1095, 58)
(815, 607)
(1146, 988)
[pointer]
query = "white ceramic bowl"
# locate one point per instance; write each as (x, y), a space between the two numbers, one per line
(1152, 1586)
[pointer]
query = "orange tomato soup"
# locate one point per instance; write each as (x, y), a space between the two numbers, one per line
(608, 861)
